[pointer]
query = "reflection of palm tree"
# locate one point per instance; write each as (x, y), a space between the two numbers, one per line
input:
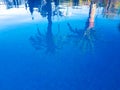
(89, 34)
(46, 42)
(76, 33)
(37, 41)
(50, 44)
(49, 36)
(109, 10)
(87, 40)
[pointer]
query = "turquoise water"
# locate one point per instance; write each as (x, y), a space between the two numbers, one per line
(37, 55)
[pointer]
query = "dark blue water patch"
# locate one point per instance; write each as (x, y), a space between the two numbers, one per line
(30, 69)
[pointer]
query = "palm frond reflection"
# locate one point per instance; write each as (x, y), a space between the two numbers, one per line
(45, 41)
(37, 40)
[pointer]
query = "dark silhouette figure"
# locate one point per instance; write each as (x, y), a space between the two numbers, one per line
(75, 2)
(16, 3)
(31, 7)
(33, 4)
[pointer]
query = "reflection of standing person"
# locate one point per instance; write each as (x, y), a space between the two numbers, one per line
(26, 2)
(76, 2)
(16, 3)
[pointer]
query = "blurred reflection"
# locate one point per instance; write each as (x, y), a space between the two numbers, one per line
(8, 4)
(86, 37)
(75, 2)
(57, 11)
(33, 4)
(12, 3)
(110, 8)
(45, 42)
(42, 7)
(26, 4)
(87, 42)
(16, 3)
(49, 36)
(37, 40)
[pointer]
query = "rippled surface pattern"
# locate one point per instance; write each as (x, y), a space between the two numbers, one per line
(59, 44)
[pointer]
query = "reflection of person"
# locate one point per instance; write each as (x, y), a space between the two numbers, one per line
(26, 2)
(16, 3)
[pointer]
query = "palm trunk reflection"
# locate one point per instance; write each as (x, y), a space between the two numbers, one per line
(86, 37)
(49, 36)
(45, 42)
(110, 10)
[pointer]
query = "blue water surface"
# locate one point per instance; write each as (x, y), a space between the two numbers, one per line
(39, 55)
